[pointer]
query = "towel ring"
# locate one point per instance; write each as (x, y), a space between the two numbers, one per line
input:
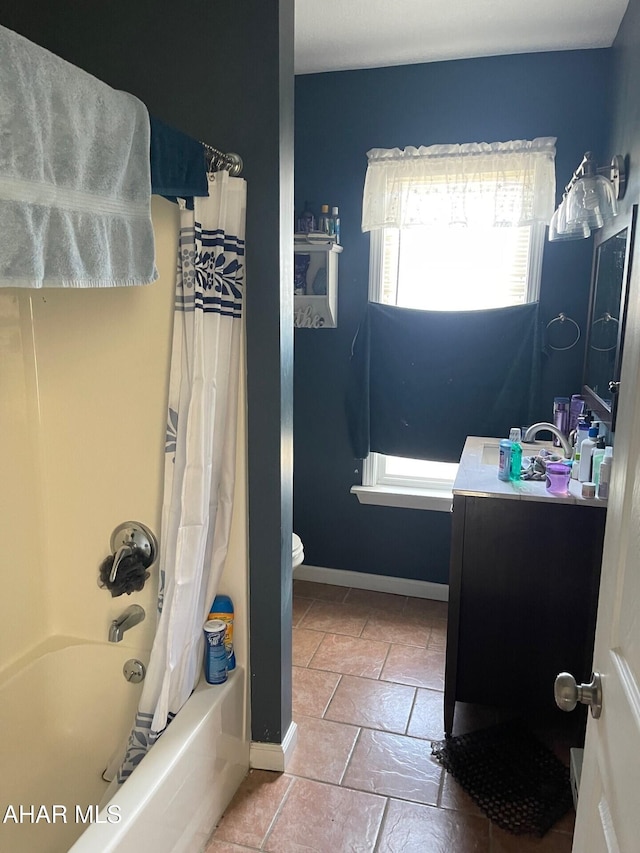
(606, 318)
(562, 318)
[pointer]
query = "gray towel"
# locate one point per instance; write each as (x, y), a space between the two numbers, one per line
(75, 185)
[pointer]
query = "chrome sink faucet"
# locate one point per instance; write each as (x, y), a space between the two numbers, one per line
(127, 619)
(534, 429)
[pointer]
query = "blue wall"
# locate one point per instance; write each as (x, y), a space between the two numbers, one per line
(339, 116)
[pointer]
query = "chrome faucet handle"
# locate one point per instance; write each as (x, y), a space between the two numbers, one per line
(122, 552)
(131, 538)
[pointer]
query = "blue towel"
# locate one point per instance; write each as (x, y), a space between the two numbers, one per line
(178, 165)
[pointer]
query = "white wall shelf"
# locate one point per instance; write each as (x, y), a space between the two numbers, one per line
(316, 288)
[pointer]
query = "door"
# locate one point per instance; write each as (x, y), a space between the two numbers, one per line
(608, 819)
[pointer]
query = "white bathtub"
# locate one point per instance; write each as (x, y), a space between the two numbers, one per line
(64, 713)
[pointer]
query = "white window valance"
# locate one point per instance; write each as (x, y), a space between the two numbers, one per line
(477, 183)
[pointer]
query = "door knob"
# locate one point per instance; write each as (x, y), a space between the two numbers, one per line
(567, 693)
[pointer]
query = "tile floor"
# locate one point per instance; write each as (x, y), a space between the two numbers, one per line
(367, 698)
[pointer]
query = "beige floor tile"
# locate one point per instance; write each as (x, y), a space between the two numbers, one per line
(427, 716)
(320, 817)
(251, 812)
(335, 618)
(427, 607)
(438, 636)
(384, 601)
(455, 798)
(312, 691)
(552, 842)
(305, 643)
(319, 591)
(227, 847)
(350, 655)
(411, 665)
(322, 749)
(392, 628)
(414, 828)
(371, 703)
(394, 765)
(300, 607)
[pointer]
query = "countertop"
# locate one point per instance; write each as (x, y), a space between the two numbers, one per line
(478, 478)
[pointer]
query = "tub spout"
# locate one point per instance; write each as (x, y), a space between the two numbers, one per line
(534, 429)
(127, 619)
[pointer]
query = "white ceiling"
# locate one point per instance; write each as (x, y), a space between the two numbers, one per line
(335, 35)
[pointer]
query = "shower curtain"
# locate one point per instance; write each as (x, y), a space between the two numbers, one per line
(200, 451)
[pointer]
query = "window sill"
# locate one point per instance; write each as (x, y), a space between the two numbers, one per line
(439, 500)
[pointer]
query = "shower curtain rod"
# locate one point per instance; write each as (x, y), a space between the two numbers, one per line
(217, 160)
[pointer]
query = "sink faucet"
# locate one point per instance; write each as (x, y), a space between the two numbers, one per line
(127, 619)
(534, 429)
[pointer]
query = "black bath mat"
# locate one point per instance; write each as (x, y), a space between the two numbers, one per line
(517, 782)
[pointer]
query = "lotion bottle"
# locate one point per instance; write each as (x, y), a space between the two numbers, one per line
(586, 451)
(605, 474)
(596, 459)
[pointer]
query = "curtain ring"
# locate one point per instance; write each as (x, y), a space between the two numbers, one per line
(562, 318)
(606, 318)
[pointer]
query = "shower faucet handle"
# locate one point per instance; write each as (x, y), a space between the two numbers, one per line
(129, 539)
(122, 552)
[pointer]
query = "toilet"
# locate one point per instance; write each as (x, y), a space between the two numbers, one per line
(297, 554)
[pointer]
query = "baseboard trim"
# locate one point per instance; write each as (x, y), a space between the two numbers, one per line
(274, 756)
(378, 583)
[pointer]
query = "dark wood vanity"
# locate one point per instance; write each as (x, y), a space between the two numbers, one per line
(523, 596)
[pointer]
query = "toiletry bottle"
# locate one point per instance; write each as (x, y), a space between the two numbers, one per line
(586, 450)
(324, 219)
(335, 216)
(582, 432)
(576, 407)
(605, 474)
(561, 417)
(596, 459)
(307, 219)
(575, 465)
(515, 437)
(222, 608)
(504, 464)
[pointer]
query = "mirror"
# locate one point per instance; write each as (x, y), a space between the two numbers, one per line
(603, 355)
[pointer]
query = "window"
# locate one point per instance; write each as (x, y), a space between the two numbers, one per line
(451, 238)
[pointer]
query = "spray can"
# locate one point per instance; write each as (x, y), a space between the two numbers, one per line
(222, 608)
(215, 654)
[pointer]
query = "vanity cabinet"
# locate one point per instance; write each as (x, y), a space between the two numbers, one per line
(523, 597)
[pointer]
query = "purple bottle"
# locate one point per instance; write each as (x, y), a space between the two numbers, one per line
(576, 408)
(561, 417)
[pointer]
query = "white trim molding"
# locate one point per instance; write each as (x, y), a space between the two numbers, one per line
(408, 498)
(274, 756)
(377, 583)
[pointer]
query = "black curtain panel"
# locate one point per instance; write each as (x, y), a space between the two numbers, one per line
(422, 381)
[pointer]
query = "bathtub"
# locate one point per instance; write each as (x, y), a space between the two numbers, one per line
(65, 711)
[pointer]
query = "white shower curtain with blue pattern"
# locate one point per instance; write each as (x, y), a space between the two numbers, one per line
(200, 451)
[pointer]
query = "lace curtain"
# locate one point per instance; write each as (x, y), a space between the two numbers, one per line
(477, 183)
